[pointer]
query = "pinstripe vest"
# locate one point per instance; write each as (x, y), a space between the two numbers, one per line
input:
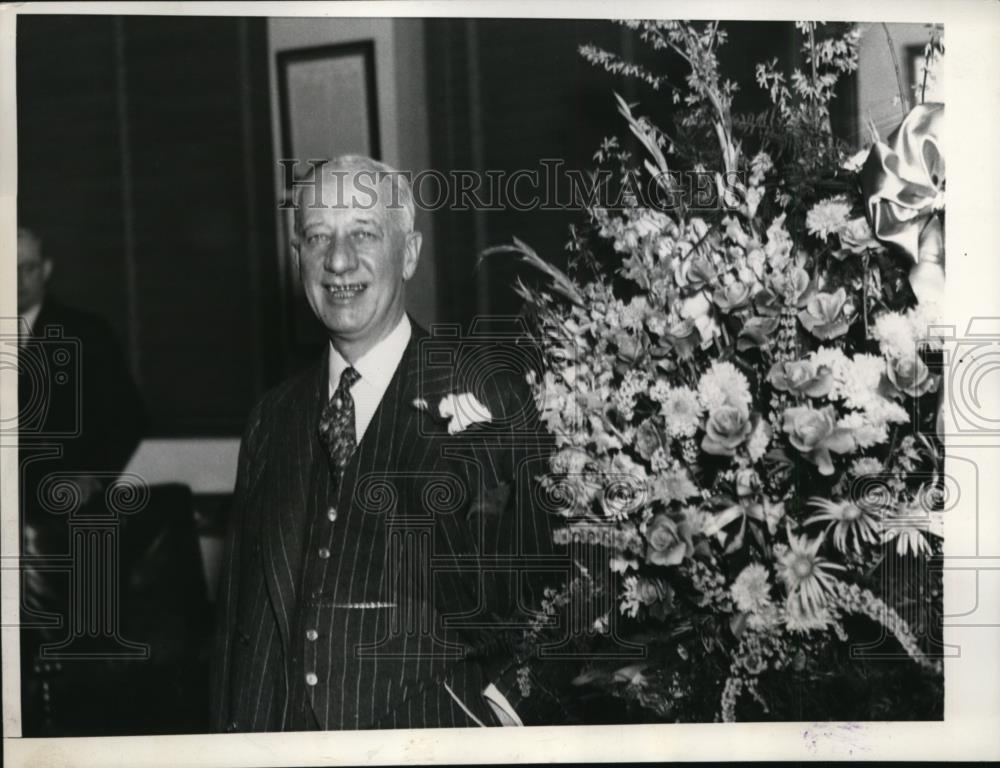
(367, 616)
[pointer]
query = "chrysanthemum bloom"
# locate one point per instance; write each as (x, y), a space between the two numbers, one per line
(728, 426)
(759, 440)
(815, 433)
(895, 334)
(751, 589)
(723, 383)
(866, 465)
(808, 577)
(673, 485)
(827, 315)
(859, 523)
(681, 411)
(827, 217)
(910, 376)
(800, 377)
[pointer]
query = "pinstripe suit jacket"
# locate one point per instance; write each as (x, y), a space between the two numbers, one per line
(383, 602)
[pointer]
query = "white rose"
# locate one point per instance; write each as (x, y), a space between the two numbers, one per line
(462, 411)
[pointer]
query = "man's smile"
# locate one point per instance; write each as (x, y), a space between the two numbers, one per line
(345, 291)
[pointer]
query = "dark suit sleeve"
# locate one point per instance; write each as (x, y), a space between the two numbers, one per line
(517, 522)
(229, 580)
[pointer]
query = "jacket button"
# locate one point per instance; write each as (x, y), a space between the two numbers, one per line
(324, 553)
(331, 514)
(311, 635)
(311, 679)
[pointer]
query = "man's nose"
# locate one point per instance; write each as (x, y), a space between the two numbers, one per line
(339, 257)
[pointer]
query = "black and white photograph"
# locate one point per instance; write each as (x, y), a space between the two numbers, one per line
(382, 373)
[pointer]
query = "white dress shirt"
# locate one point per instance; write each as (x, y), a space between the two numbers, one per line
(28, 319)
(376, 367)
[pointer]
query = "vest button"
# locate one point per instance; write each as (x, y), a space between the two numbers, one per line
(331, 514)
(311, 679)
(311, 635)
(324, 553)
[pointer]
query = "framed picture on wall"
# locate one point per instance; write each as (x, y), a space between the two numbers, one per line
(328, 107)
(328, 101)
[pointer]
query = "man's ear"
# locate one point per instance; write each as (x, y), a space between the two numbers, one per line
(46, 269)
(411, 253)
(295, 254)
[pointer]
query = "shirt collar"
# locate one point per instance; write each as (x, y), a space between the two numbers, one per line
(30, 316)
(379, 363)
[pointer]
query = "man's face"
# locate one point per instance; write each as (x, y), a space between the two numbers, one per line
(354, 260)
(32, 273)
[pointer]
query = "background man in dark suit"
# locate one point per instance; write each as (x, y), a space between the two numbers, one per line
(373, 569)
(80, 419)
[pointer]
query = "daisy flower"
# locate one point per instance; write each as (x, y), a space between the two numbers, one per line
(848, 521)
(751, 589)
(808, 577)
(909, 528)
(799, 620)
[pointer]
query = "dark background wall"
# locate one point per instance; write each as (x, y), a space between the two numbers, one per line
(146, 164)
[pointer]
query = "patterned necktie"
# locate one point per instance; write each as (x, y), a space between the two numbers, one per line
(336, 424)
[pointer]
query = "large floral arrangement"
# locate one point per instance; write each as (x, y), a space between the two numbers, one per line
(742, 398)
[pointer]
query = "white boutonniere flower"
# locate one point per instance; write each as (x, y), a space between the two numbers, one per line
(462, 411)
